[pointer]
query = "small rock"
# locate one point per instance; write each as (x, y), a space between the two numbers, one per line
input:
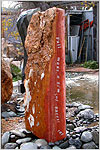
(70, 126)
(69, 105)
(79, 129)
(86, 114)
(12, 136)
(95, 135)
(29, 145)
(24, 140)
(74, 104)
(76, 111)
(71, 141)
(20, 110)
(90, 145)
(78, 143)
(25, 131)
(51, 144)
(41, 142)
(82, 107)
(56, 147)
(64, 145)
(10, 146)
(8, 110)
(86, 136)
(8, 114)
(5, 138)
(71, 147)
(74, 136)
(18, 133)
(57, 143)
(45, 147)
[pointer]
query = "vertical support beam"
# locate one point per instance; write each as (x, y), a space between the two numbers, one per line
(45, 75)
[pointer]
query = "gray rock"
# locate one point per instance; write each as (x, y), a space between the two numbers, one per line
(29, 145)
(20, 110)
(18, 133)
(95, 135)
(45, 147)
(25, 131)
(79, 129)
(57, 143)
(8, 114)
(10, 146)
(86, 114)
(41, 142)
(52, 144)
(5, 138)
(12, 136)
(70, 126)
(76, 142)
(90, 145)
(86, 136)
(24, 140)
(64, 145)
(71, 141)
(82, 107)
(56, 147)
(71, 147)
(74, 104)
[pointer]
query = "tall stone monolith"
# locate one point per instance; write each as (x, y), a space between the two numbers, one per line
(45, 75)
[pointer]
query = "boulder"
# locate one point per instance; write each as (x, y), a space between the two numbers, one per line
(86, 114)
(90, 145)
(45, 75)
(86, 136)
(6, 82)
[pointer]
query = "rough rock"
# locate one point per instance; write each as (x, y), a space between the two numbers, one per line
(45, 75)
(6, 82)
(24, 140)
(56, 147)
(76, 142)
(29, 145)
(79, 129)
(20, 109)
(45, 147)
(10, 146)
(18, 133)
(86, 114)
(41, 142)
(70, 126)
(95, 135)
(82, 107)
(8, 114)
(86, 136)
(90, 145)
(71, 147)
(64, 145)
(75, 104)
(5, 138)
